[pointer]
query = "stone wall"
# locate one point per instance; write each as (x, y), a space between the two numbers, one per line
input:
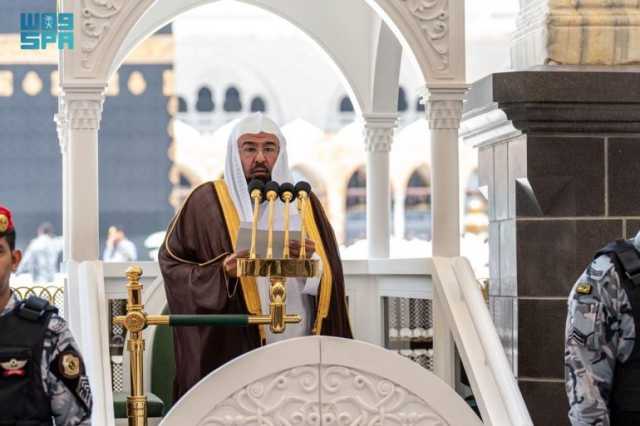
(558, 152)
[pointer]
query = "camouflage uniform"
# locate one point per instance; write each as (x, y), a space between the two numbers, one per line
(70, 407)
(600, 332)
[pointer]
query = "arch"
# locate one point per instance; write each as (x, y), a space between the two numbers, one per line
(258, 104)
(387, 69)
(184, 181)
(433, 42)
(205, 101)
(232, 101)
(345, 105)
(353, 67)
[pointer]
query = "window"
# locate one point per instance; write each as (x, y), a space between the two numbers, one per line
(205, 100)
(345, 104)
(258, 105)
(420, 105)
(232, 101)
(184, 182)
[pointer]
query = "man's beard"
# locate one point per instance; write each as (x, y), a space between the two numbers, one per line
(266, 178)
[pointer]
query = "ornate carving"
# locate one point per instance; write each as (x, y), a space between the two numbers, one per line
(331, 395)
(378, 131)
(351, 396)
(84, 114)
(444, 113)
(97, 17)
(286, 398)
(432, 17)
(378, 139)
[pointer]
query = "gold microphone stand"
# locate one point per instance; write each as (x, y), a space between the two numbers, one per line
(279, 269)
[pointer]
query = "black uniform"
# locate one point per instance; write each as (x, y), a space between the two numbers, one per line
(42, 376)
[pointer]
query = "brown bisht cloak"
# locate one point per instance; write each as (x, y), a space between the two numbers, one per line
(199, 237)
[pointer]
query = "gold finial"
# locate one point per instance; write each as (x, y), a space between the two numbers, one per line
(134, 273)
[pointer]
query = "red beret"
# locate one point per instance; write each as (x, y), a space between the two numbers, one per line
(6, 223)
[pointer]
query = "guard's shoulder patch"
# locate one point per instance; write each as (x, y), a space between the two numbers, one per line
(69, 364)
(584, 288)
(68, 367)
(57, 324)
(600, 266)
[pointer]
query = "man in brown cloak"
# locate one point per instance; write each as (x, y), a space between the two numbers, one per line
(198, 262)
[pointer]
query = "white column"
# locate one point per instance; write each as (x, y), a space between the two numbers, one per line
(378, 133)
(444, 110)
(83, 110)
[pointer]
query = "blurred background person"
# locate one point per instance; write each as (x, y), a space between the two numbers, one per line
(118, 247)
(41, 256)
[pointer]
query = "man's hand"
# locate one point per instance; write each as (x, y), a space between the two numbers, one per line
(294, 248)
(230, 263)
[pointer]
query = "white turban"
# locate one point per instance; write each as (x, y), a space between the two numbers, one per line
(236, 180)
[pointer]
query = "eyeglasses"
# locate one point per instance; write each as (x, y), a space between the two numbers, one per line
(251, 151)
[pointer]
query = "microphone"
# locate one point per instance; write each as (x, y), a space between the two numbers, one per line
(302, 188)
(286, 188)
(256, 189)
(271, 190)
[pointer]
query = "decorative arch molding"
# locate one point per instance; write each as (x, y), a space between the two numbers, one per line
(433, 29)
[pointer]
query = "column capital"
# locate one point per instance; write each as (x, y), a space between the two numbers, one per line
(444, 106)
(378, 131)
(82, 108)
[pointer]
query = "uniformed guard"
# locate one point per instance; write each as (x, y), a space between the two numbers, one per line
(602, 355)
(42, 376)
